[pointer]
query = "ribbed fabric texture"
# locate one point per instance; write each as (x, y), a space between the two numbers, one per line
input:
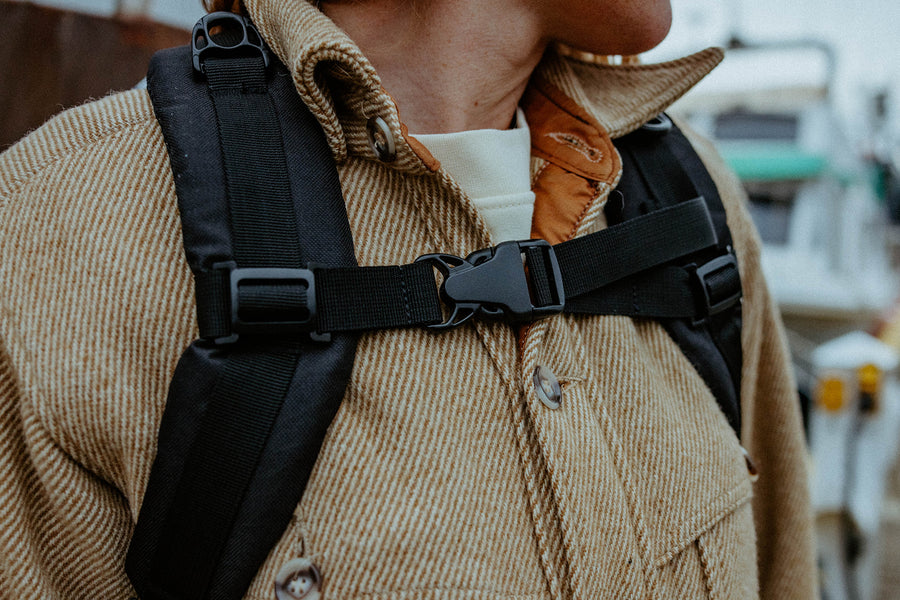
(443, 476)
(492, 167)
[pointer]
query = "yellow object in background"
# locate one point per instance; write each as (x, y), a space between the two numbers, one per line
(831, 393)
(869, 379)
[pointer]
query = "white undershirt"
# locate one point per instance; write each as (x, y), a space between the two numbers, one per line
(492, 166)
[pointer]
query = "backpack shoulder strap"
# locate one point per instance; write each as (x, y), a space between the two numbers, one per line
(240, 432)
(661, 168)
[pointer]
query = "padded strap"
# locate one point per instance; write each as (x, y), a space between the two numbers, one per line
(240, 432)
(659, 166)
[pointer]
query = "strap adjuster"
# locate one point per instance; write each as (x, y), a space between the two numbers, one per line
(225, 34)
(269, 300)
(719, 284)
(516, 281)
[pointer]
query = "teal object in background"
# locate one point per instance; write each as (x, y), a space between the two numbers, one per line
(773, 162)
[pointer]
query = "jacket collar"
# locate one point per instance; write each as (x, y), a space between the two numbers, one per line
(343, 91)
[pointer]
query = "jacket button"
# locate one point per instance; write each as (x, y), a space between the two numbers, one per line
(381, 139)
(298, 579)
(547, 387)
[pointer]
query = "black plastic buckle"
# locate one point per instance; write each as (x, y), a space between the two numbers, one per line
(225, 34)
(241, 323)
(494, 283)
(715, 299)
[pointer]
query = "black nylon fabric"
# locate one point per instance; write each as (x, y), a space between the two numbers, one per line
(660, 168)
(294, 430)
(664, 292)
(669, 233)
(377, 297)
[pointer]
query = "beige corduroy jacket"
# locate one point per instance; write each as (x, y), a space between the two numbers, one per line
(443, 476)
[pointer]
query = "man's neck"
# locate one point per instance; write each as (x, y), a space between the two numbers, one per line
(451, 65)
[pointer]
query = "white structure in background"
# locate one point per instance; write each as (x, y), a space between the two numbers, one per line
(853, 442)
(770, 109)
(863, 35)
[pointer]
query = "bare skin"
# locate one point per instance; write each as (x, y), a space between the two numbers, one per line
(455, 65)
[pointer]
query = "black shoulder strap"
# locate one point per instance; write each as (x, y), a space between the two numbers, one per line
(661, 167)
(240, 432)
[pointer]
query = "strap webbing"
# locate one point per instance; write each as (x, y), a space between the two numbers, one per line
(239, 436)
(594, 261)
(231, 435)
(365, 298)
(376, 297)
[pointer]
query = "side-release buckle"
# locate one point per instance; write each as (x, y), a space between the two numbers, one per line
(719, 283)
(225, 34)
(515, 281)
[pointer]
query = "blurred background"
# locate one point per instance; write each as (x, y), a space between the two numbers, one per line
(805, 108)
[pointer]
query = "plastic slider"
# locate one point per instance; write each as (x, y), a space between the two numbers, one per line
(225, 34)
(270, 301)
(515, 281)
(719, 284)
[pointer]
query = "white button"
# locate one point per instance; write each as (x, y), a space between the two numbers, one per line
(298, 579)
(547, 387)
(381, 139)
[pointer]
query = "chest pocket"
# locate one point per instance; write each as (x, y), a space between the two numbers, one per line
(687, 477)
(650, 484)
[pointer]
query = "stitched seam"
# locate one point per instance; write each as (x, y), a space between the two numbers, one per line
(584, 212)
(562, 162)
(720, 514)
(405, 293)
(578, 144)
(540, 172)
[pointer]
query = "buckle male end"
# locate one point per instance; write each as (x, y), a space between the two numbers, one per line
(515, 281)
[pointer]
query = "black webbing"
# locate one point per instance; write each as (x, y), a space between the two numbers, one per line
(541, 273)
(248, 395)
(363, 298)
(594, 261)
(664, 292)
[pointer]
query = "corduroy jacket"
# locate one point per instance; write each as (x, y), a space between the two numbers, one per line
(443, 475)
